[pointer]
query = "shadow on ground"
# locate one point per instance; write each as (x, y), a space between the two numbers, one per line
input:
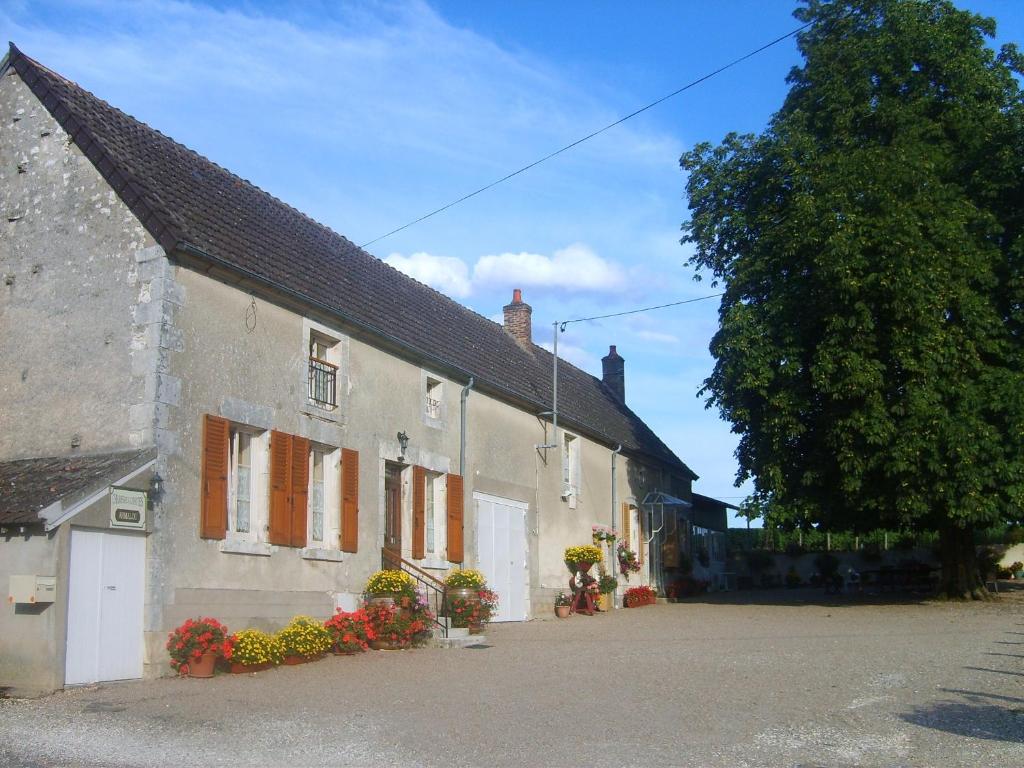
(975, 717)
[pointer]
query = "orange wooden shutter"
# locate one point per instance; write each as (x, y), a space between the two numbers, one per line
(624, 533)
(300, 490)
(419, 512)
(280, 489)
(213, 517)
(349, 500)
(455, 550)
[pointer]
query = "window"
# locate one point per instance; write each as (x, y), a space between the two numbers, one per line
(245, 484)
(323, 374)
(324, 498)
(435, 506)
(433, 399)
(570, 468)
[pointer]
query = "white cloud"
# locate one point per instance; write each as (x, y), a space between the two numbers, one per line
(575, 268)
(446, 274)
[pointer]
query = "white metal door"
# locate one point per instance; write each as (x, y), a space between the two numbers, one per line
(502, 553)
(105, 604)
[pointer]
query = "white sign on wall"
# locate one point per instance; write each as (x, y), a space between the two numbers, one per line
(127, 508)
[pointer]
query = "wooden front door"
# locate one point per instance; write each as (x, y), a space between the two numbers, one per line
(393, 508)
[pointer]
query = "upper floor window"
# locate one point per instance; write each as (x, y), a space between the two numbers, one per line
(433, 399)
(570, 467)
(323, 373)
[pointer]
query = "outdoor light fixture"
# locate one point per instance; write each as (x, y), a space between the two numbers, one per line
(403, 440)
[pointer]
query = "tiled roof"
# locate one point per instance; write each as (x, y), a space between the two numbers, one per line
(29, 485)
(191, 204)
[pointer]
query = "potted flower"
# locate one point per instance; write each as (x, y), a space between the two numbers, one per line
(350, 632)
(563, 603)
(463, 586)
(488, 607)
(196, 645)
(606, 585)
(387, 585)
(394, 629)
(636, 597)
(252, 650)
(602, 534)
(580, 559)
(628, 561)
(303, 639)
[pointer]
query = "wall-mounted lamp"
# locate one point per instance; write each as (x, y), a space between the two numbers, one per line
(403, 441)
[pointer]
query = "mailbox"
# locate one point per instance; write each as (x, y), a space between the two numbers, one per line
(32, 589)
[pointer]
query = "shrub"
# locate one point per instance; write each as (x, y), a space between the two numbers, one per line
(252, 646)
(304, 636)
(398, 625)
(607, 584)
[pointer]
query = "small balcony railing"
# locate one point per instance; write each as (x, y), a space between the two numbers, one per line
(323, 378)
(433, 408)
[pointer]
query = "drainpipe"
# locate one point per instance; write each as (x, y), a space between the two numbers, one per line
(462, 424)
(614, 527)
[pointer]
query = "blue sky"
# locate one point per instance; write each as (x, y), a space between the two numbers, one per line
(366, 115)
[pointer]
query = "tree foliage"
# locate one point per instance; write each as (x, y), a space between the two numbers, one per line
(869, 243)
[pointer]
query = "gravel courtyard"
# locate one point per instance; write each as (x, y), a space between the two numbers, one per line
(757, 679)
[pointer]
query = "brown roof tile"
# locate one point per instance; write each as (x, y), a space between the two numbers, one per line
(187, 202)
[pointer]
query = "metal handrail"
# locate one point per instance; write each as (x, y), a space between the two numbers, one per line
(435, 589)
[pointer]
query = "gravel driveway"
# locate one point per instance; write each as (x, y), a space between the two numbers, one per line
(756, 679)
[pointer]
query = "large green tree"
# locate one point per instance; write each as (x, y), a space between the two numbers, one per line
(869, 245)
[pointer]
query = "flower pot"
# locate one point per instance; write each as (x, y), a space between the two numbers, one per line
(295, 660)
(562, 611)
(203, 666)
(476, 629)
(242, 669)
(468, 594)
(387, 645)
(605, 602)
(388, 599)
(584, 567)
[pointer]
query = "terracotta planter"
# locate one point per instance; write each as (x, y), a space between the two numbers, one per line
(203, 666)
(584, 567)
(387, 645)
(338, 652)
(292, 661)
(242, 669)
(562, 611)
(468, 594)
(476, 629)
(383, 599)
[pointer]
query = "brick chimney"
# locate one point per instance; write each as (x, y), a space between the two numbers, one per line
(517, 318)
(614, 373)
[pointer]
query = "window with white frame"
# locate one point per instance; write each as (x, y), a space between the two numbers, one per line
(246, 485)
(323, 505)
(433, 398)
(570, 467)
(435, 506)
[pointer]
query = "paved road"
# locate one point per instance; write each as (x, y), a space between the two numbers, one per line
(718, 683)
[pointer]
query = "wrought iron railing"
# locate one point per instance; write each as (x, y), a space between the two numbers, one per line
(433, 408)
(323, 378)
(431, 586)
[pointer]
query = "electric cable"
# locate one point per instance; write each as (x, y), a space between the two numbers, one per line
(589, 136)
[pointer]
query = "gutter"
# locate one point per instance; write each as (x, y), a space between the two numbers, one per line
(462, 425)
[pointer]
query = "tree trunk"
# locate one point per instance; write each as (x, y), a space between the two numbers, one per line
(960, 577)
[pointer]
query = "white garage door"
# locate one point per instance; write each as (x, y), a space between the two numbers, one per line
(502, 552)
(105, 602)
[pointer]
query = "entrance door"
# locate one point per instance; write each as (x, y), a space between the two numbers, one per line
(502, 552)
(105, 601)
(393, 508)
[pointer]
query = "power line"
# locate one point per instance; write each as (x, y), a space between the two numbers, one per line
(567, 147)
(564, 323)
